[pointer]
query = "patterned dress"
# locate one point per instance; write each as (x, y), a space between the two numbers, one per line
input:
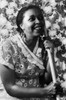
(26, 64)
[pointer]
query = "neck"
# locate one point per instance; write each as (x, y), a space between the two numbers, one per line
(30, 41)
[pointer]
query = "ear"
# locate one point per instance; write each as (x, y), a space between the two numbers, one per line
(22, 26)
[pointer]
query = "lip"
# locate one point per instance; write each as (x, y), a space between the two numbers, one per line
(37, 27)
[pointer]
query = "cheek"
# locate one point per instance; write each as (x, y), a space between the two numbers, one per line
(30, 27)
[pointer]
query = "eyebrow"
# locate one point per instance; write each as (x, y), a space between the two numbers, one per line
(31, 16)
(34, 15)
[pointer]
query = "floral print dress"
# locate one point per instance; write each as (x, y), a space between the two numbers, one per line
(26, 64)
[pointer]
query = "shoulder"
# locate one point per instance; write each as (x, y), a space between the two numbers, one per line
(4, 45)
(9, 41)
(6, 53)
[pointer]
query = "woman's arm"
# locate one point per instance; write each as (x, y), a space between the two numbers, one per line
(8, 79)
(48, 73)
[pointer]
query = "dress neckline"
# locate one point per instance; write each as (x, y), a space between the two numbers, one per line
(38, 61)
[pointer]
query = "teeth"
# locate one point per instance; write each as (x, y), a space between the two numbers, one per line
(37, 27)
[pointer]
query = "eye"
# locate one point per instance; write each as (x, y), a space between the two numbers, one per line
(40, 17)
(32, 18)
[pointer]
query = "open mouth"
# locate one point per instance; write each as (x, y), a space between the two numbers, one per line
(38, 27)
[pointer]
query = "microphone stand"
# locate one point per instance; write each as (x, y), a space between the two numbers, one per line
(52, 69)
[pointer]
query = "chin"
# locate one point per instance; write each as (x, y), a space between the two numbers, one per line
(37, 34)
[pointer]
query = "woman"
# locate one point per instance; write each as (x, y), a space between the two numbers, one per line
(24, 62)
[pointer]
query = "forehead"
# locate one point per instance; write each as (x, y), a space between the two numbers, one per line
(33, 11)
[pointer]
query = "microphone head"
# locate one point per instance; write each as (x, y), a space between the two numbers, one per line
(45, 38)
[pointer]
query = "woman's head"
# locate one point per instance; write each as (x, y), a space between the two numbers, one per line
(30, 20)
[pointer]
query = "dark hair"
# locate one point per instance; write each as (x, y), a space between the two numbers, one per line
(21, 12)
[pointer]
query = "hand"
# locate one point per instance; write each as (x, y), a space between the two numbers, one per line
(50, 89)
(48, 44)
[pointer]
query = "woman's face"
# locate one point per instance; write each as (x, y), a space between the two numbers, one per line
(33, 23)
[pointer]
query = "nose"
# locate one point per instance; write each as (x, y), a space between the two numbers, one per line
(37, 20)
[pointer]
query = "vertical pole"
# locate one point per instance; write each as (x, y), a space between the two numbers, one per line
(52, 69)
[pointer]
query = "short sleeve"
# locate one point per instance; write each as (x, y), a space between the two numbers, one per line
(6, 54)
